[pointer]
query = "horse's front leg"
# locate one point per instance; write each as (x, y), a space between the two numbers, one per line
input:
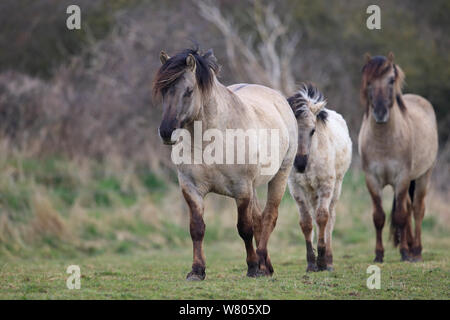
(245, 229)
(322, 215)
(400, 216)
(378, 215)
(197, 230)
(306, 224)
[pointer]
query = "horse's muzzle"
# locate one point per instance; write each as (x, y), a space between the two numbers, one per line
(300, 162)
(166, 135)
(381, 114)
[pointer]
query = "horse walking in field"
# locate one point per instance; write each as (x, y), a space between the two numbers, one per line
(190, 94)
(398, 144)
(323, 157)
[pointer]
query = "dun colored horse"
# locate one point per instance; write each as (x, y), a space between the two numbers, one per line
(323, 157)
(398, 144)
(191, 93)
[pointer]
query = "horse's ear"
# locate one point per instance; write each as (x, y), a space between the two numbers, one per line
(190, 62)
(367, 57)
(209, 55)
(390, 57)
(317, 107)
(163, 57)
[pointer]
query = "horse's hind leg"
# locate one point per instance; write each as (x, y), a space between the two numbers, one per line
(257, 218)
(197, 230)
(275, 192)
(245, 229)
(419, 212)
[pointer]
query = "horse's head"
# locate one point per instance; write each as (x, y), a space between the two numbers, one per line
(308, 105)
(382, 82)
(184, 81)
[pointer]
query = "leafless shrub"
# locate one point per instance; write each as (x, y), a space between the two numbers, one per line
(266, 61)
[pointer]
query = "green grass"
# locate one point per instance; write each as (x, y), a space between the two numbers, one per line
(161, 274)
(128, 231)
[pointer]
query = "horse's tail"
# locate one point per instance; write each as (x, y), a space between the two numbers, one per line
(395, 228)
(308, 96)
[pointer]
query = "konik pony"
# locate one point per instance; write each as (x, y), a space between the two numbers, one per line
(191, 92)
(398, 144)
(323, 157)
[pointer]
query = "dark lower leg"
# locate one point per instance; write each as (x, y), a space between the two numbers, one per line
(306, 226)
(197, 230)
(379, 218)
(269, 219)
(257, 221)
(401, 216)
(245, 229)
(419, 211)
(322, 219)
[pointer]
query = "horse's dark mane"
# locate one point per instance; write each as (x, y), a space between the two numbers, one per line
(308, 91)
(377, 67)
(169, 73)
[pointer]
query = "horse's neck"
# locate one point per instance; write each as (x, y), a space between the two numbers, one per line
(218, 106)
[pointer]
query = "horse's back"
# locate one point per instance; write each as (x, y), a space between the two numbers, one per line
(264, 98)
(340, 137)
(423, 130)
(268, 105)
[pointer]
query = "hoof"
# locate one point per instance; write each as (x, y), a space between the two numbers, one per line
(379, 254)
(312, 267)
(416, 254)
(252, 271)
(378, 259)
(321, 264)
(263, 273)
(191, 276)
(321, 260)
(416, 259)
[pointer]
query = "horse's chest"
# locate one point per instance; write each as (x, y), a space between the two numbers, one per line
(308, 181)
(386, 171)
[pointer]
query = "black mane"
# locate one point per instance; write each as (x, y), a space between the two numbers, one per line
(307, 92)
(168, 74)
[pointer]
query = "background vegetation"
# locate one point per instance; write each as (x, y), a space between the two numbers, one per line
(84, 177)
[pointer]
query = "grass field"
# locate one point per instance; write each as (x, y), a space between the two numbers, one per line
(161, 275)
(128, 232)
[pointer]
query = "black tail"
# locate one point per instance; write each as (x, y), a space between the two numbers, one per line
(395, 229)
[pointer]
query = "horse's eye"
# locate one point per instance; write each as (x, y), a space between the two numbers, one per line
(312, 132)
(188, 92)
(391, 81)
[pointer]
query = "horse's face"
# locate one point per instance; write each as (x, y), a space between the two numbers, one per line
(306, 121)
(181, 103)
(380, 94)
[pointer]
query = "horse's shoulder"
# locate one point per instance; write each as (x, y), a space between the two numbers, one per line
(414, 100)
